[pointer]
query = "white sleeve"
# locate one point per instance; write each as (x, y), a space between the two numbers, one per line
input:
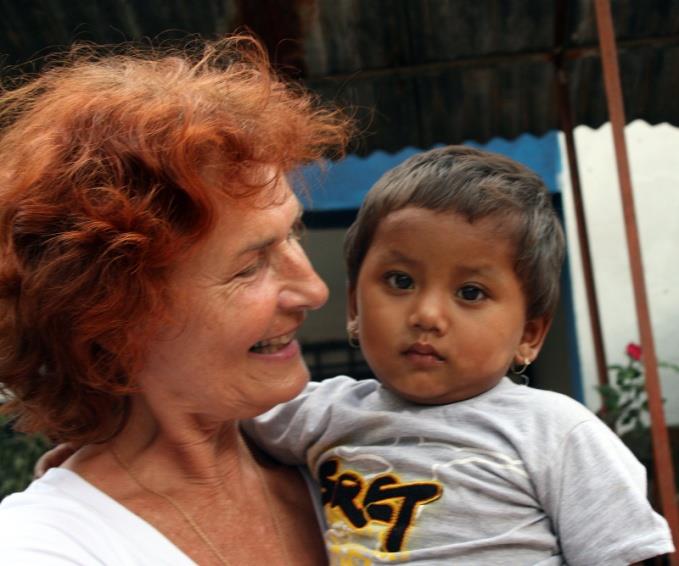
(597, 501)
(290, 429)
(32, 542)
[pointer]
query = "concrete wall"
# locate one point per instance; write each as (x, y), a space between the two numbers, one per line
(654, 163)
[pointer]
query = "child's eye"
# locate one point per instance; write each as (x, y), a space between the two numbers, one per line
(399, 280)
(471, 293)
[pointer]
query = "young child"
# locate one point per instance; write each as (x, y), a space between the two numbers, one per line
(453, 265)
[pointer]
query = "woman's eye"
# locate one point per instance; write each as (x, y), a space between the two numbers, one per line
(471, 293)
(250, 270)
(399, 281)
(297, 230)
(247, 271)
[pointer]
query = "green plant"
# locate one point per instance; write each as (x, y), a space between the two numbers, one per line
(624, 405)
(18, 454)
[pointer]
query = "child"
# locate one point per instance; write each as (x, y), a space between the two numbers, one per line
(453, 265)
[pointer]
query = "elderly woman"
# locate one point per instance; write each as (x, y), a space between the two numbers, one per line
(152, 284)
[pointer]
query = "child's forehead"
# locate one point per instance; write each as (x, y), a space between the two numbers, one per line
(414, 219)
(407, 232)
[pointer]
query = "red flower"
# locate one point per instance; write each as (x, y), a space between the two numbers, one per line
(633, 351)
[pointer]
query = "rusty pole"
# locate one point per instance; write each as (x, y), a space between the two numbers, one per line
(664, 473)
(566, 122)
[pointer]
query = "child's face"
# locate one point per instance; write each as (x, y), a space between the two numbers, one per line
(439, 308)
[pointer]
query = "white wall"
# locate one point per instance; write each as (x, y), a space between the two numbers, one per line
(654, 162)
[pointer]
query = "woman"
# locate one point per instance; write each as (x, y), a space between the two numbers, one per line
(151, 287)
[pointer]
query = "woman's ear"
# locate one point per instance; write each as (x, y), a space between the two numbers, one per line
(534, 333)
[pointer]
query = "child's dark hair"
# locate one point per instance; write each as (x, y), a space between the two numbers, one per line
(475, 184)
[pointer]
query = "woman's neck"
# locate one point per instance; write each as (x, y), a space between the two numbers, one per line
(174, 445)
(200, 485)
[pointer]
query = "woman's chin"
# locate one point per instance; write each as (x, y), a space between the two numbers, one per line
(283, 390)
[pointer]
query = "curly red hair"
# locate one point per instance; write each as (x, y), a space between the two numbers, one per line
(103, 186)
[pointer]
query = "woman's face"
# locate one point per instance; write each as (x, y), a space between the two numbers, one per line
(238, 300)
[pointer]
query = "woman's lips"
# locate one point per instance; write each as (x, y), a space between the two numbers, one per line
(280, 347)
(281, 353)
(272, 345)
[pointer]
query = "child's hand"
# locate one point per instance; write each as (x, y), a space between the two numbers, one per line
(53, 458)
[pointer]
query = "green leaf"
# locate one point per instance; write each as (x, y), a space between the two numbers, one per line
(610, 398)
(18, 453)
(630, 416)
(669, 365)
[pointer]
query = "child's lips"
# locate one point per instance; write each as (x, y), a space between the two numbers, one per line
(423, 353)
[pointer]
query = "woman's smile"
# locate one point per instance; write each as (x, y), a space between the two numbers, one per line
(272, 345)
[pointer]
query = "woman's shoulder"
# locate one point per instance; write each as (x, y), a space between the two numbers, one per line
(68, 519)
(57, 491)
(48, 518)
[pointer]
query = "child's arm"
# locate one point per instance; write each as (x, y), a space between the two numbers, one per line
(595, 493)
(290, 430)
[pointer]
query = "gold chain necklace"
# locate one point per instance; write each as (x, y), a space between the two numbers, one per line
(191, 521)
(269, 501)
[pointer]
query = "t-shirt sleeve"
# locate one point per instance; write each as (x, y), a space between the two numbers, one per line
(291, 429)
(27, 541)
(597, 500)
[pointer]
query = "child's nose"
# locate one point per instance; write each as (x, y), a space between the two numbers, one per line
(430, 314)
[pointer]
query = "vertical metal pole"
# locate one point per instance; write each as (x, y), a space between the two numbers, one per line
(664, 473)
(566, 122)
(583, 239)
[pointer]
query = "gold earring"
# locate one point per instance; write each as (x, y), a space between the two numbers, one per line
(352, 332)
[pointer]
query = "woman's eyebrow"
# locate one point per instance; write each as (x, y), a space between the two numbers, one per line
(257, 246)
(268, 242)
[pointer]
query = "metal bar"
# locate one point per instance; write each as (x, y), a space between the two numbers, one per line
(491, 60)
(664, 473)
(566, 121)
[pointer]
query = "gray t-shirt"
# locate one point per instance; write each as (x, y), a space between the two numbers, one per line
(513, 476)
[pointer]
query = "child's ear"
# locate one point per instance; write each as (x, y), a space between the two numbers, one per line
(534, 333)
(352, 309)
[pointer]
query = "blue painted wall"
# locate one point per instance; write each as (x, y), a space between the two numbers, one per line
(341, 185)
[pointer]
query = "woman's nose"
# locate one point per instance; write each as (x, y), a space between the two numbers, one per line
(430, 314)
(304, 289)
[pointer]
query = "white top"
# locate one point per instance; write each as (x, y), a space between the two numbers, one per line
(63, 519)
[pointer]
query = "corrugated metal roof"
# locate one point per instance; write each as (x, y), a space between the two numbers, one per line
(422, 73)
(418, 72)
